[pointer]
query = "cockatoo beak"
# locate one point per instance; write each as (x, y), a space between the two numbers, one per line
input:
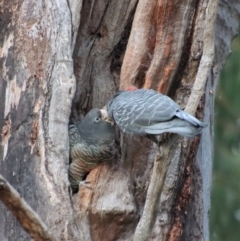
(105, 116)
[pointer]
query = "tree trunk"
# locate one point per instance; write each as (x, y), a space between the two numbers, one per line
(61, 58)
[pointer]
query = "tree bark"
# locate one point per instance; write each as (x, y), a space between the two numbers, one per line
(61, 58)
(37, 86)
(29, 220)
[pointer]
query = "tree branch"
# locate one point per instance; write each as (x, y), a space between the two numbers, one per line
(155, 188)
(206, 62)
(29, 220)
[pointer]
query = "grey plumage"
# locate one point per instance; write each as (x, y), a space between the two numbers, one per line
(147, 112)
(92, 142)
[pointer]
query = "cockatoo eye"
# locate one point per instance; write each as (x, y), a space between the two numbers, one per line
(97, 119)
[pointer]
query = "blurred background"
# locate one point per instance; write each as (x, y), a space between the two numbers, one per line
(225, 211)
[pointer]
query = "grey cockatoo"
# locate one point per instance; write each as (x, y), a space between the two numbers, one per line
(147, 112)
(92, 141)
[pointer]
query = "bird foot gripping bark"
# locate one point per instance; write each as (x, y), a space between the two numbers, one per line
(86, 184)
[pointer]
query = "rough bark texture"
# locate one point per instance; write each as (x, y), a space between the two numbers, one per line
(28, 218)
(48, 50)
(37, 87)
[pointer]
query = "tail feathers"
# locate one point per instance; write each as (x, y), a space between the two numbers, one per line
(177, 126)
(189, 118)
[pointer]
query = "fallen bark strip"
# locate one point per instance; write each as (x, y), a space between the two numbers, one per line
(26, 216)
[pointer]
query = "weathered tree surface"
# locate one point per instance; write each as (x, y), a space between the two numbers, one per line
(37, 87)
(61, 58)
(28, 218)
